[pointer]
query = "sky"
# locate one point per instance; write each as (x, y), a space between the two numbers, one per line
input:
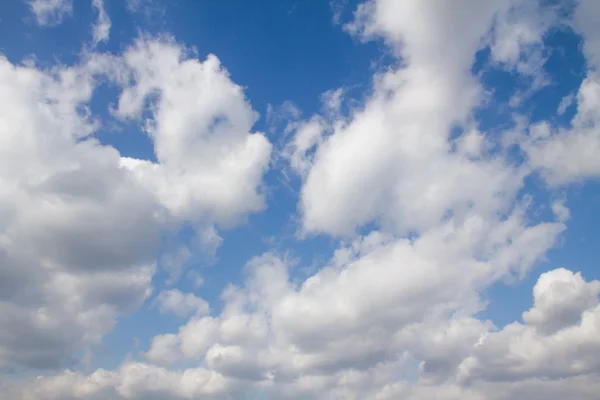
(336, 199)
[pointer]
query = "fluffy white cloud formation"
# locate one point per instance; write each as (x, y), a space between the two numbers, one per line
(182, 304)
(393, 161)
(77, 236)
(570, 154)
(79, 233)
(559, 299)
(560, 337)
(394, 313)
(251, 346)
(208, 163)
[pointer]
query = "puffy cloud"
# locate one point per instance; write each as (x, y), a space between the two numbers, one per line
(79, 232)
(560, 296)
(131, 381)
(433, 358)
(393, 314)
(307, 136)
(393, 162)
(378, 300)
(388, 301)
(560, 337)
(569, 154)
(517, 43)
(208, 165)
(580, 388)
(182, 304)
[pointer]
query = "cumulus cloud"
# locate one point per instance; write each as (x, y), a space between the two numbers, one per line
(79, 224)
(560, 337)
(209, 164)
(182, 304)
(393, 162)
(377, 301)
(250, 347)
(568, 155)
(394, 313)
(77, 236)
(560, 296)
(131, 381)
(565, 156)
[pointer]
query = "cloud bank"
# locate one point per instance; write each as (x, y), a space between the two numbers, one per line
(426, 220)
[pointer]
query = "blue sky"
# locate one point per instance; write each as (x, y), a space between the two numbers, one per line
(291, 199)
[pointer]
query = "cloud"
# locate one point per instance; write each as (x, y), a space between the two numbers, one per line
(181, 304)
(378, 300)
(394, 313)
(241, 352)
(560, 337)
(76, 231)
(79, 232)
(101, 29)
(209, 163)
(519, 33)
(393, 162)
(131, 381)
(50, 12)
(565, 103)
(567, 155)
(560, 296)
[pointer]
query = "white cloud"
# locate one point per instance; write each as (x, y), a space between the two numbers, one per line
(209, 163)
(299, 150)
(560, 337)
(182, 304)
(393, 162)
(569, 155)
(78, 231)
(101, 29)
(131, 381)
(379, 299)
(174, 262)
(241, 353)
(584, 22)
(517, 43)
(565, 103)
(77, 234)
(393, 314)
(560, 296)
(50, 12)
